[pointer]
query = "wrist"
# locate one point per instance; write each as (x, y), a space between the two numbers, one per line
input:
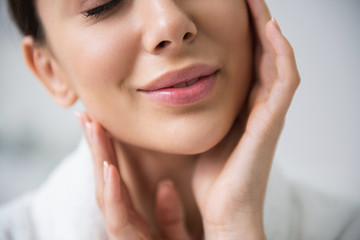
(251, 229)
(243, 234)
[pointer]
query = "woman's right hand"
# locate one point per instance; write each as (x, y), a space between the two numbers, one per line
(122, 221)
(230, 180)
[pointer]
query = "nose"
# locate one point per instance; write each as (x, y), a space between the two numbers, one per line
(167, 27)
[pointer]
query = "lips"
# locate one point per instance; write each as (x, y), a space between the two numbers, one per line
(180, 78)
(182, 87)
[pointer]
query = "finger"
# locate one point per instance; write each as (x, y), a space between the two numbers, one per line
(115, 209)
(102, 150)
(265, 71)
(170, 212)
(86, 124)
(266, 119)
(111, 192)
(121, 220)
(260, 15)
(83, 118)
(288, 78)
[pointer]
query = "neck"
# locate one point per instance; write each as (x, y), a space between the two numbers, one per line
(143, 169)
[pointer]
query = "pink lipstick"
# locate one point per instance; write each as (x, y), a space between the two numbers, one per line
(182, 87)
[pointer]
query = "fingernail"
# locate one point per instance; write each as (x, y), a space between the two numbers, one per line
(89, 131)
(80, 119)
(106, 171)
(166, 183)
(276, 23)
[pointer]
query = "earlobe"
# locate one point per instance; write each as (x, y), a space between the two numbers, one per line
(42, 64)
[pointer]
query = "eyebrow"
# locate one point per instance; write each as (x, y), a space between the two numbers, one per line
(76, 5)
(91, 3)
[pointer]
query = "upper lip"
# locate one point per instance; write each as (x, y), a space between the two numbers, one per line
(174, 77)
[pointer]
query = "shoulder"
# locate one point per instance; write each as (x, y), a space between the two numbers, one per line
(14, 216)
(307, 213)
(323, 215)
(64, 207)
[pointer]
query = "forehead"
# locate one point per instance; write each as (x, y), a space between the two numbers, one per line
(72, 5)
(56, 8)
(53, 13)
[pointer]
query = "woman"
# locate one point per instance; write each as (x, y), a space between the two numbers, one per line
(185, 102)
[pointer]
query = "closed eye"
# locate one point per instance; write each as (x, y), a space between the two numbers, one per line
(98, 11)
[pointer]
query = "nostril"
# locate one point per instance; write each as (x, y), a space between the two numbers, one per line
(163, 44)
(187, 35)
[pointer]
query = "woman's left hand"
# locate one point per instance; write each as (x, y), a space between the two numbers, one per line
(121, 219)
(230, 185)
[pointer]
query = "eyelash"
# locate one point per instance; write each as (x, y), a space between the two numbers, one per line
(98, 11)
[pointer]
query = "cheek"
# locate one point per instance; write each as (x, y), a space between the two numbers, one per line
(229, 27)
(233, 33)
(98, 58)
(226, 18)
(98, 64)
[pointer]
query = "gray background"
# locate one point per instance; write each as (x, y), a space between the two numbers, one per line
(320, 144)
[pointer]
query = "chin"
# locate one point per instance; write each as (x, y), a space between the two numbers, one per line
(196, 140)
(196, 147)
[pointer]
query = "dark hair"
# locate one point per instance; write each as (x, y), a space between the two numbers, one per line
(26, 18)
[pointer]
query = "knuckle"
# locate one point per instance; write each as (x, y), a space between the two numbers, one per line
(298, 80)
(288, 49)
(114, 228)
(290, 52)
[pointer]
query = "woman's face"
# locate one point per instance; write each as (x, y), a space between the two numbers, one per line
(124, 61)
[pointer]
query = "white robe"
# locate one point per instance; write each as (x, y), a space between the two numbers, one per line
(64, 208)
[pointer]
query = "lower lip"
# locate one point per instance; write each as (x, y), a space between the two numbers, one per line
(184, 96)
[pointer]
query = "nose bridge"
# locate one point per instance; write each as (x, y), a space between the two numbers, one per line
(166, 26)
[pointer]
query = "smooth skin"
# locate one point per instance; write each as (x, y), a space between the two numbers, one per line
(105, 60)
(210, 180)
(229, 182)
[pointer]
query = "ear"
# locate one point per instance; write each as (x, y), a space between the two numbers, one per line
(42, 63)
